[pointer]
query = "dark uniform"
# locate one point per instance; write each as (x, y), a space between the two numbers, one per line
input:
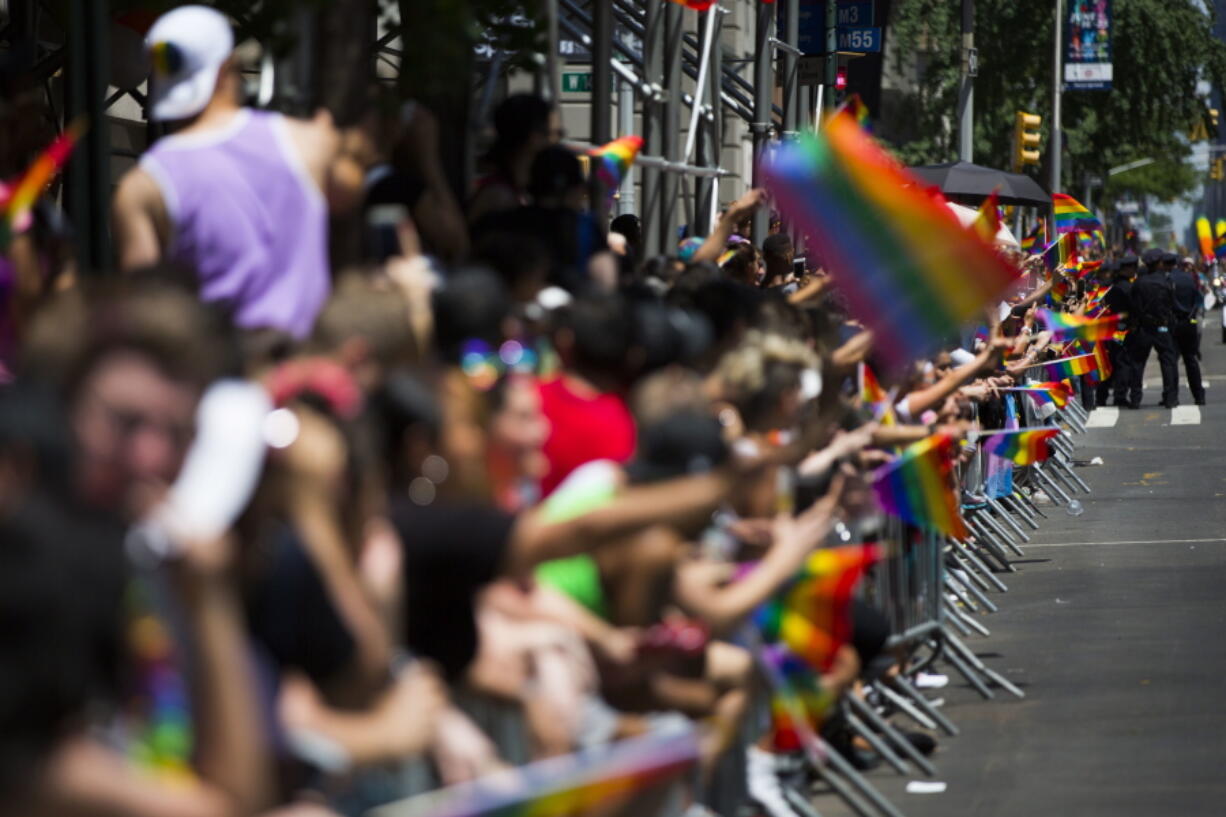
(1119, 302)
(1189, 308)
(1153, 313)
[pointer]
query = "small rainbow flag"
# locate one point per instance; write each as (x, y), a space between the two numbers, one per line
(1065, 254)
(1065, 325)
(987, 223)
(858, 110)
(909, 269)
(1033, 243)
(1103, 360)
(797, 698)
(1070, 367)
(1060, 290)
(615, 159)
(916, 486)
(1071, 216)
(19, 197)
(875, 397)
(1045, 393)
(1024, 446)
(810, 616)
(1204, 236)
(1219, 243)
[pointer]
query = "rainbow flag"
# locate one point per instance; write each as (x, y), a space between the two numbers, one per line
(1070, 367)
(20, 196)
(1065, 325)
(1060, 290)
(1103, 371)
(909, 270)
(582, 783)
(810, 616)
(1065, 254)
(1071, 216)
(1045, 393)
(1219, 243)
(798, 702)
(987, 223)
(696, 5)
(856, 107)
(998, 473)
(875, 397)
(1033, 243)
(1024, 446)
(916, 486)
(614, 160)
(1204, 236)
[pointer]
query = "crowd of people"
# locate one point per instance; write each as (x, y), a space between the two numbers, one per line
(333, 460)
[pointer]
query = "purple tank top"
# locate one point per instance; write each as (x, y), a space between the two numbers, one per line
(248, 219)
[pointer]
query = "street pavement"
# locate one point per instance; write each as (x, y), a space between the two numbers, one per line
(1115, 627)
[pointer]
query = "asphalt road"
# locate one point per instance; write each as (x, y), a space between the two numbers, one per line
(1115, 626)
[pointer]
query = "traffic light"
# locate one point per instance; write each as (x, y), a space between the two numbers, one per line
(1026, 140)
(1217, 170)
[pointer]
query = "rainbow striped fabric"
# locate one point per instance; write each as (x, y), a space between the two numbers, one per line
(583, 783)
(909, 270)
(1065, 325)
(1070, 367)
(696, 5)
(856, 107)
(1204, 236)
(1065, 254)
(1033, 243)
(875, 397)
(19, 197)
(1103, 370)
(1045, 393)
(810, 616)
(798, 703)
(916, 486)
(987, 223)
(1072, 217)
(1024, 446)
(1219, 242)
(614, 160)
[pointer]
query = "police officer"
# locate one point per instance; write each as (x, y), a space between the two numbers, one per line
(1153, 313)
(1119, 302)
(1189, 310)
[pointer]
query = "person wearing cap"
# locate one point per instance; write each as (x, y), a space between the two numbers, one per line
(1185, 331)
(1119, 302)
(235, 194)
(1153, 311)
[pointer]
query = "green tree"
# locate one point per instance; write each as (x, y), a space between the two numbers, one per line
(1162, 47)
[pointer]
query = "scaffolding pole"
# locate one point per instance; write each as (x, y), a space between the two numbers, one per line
(762, 107)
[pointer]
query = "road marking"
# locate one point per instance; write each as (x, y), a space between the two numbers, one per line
(1185, 416)
(1134, 542)
(1103, 417)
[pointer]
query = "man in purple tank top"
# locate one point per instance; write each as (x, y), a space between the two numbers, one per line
(236, 194)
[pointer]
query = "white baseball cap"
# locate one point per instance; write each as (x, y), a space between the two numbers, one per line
(187, 47)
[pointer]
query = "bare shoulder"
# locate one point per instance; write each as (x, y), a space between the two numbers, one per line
(138, 189)
(317, 141)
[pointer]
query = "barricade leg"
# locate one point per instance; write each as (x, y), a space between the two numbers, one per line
(904, 706)
(953, 645)
(890, 734)
(989, 522)
(1028, 503)
(851, 786)
(899, 687)
(964, 578)
(1050, 486)
(964, 622)
(1019, 509)
(968, 553)
(969, 674)
(984, 539)
(879, 744)
(1007, 518)
(968, 572)
(956, 587)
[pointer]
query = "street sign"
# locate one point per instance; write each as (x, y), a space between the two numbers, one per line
(811, 70)
(855, 15)
(576, 82)
(862, 40)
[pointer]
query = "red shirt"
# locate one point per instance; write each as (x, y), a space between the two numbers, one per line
(582, 428)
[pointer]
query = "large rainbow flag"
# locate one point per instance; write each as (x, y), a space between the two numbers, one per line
(580, 783)
(1219, 242)
(909, 270)
(916, 486)
(1072, 217)
(1024, 446)
(1070, 367)
(1066, 325)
